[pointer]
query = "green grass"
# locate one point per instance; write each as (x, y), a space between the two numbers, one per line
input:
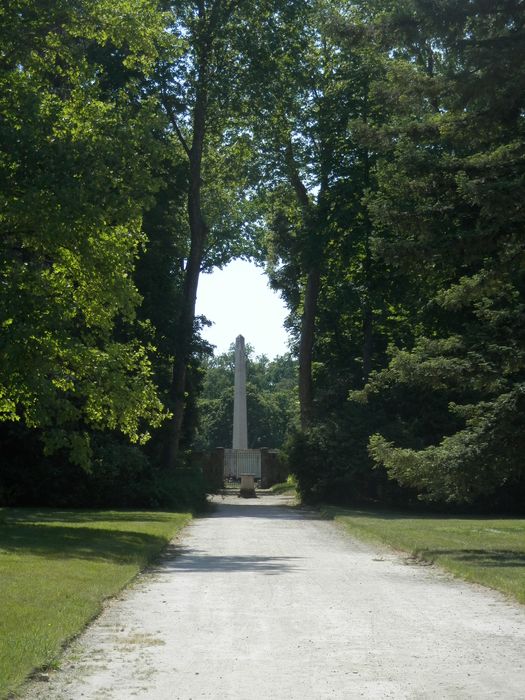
(490, 551)
(289, 486)
(56, 569)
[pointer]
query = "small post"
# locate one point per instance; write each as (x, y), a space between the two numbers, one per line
(247, 486)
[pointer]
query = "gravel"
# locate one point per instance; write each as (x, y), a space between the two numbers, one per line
(262, 600)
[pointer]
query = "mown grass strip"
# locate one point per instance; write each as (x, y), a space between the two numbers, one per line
(490, 551)
(289, 487)
(56, 569)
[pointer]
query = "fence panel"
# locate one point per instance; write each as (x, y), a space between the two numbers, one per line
(237, 462)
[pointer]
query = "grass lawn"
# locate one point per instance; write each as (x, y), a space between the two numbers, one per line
(56, 569)
(490, 551)
(289, 487)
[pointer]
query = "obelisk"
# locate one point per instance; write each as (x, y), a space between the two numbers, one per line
(240, 423)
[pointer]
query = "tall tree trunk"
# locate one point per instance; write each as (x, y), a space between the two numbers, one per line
(368, 317)
(199, 235)
(211, 18)
(311, 292)
(368, 328)
(183, 351)
(306, 345)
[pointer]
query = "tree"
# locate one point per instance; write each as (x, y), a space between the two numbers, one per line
(76, 171)
(421, 256)
(447, 197)
(320, 170)
(203, 84)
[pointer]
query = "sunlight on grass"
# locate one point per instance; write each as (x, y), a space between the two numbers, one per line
(289, 487)
(56, 569)
(490, 551)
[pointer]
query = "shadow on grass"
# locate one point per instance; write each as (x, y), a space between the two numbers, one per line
(58, 534)
(331, 512)
(30, 515)
(58, 542)
(499, 558)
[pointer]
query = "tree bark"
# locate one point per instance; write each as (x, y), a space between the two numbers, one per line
(368, 317)
(186, 320)
(198, 236)
(368, 327)
(311, 295)
(211, 19)
(306, 345)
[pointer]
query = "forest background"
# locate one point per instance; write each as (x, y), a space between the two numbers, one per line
(369, 154)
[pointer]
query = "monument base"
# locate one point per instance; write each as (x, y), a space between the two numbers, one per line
(247, 486)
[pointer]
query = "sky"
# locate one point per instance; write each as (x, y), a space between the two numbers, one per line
(239, 301)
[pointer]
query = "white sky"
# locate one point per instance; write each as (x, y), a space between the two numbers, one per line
(239, 301)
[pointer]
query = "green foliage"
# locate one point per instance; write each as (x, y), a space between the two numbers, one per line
(78, 147)
(331, 463)
(445, 210)
(419, 316)
(469, 463)
(122, 475)
(288, 487)
(372, 153)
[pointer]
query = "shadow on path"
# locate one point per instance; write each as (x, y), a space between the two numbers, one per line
(261, 509)
(179, 558)
(193, 560)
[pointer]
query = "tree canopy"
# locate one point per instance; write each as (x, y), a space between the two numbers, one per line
(77, 170)
(369, 154)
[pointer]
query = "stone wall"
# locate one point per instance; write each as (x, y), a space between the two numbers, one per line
(273, 470)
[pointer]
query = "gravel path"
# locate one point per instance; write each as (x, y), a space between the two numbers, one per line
(263, 601)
